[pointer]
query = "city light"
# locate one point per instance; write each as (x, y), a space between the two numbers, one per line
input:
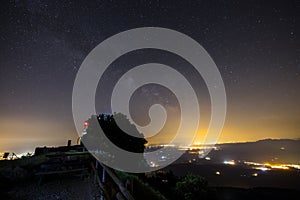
(268, 166)
(262, 168)
(231, 162)
(207, 158)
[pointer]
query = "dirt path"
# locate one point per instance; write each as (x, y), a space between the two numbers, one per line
(58, 188)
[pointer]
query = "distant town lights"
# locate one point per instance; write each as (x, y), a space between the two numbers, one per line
(231, 162)
(262, 168)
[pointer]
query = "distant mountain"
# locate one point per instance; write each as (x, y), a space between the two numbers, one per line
(267, 150)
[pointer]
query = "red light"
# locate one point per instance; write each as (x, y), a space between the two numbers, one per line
(86, 124)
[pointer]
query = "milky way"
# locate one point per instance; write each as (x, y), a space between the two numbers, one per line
(254, 43)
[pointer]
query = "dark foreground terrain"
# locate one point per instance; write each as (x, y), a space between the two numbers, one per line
(72, 187)
(64, 187)
(208, 179)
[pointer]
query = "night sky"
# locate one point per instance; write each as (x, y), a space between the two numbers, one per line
(254, 43)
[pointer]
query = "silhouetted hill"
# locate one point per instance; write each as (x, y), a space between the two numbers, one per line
(268, 150)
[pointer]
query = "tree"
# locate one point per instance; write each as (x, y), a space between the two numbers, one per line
(134, 142)
(192, 187)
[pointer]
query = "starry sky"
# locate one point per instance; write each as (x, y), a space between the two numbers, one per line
(254, 43)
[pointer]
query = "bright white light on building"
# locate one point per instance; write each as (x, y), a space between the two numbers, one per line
(153, 164)
(231, 162)
(262, 168)
(201, 152)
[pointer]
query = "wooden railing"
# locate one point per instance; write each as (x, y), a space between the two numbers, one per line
(99, 168)
(70, 162)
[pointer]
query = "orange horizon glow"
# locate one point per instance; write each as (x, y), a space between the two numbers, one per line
(23, 133)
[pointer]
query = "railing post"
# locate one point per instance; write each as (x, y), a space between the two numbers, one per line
(103, 182)
(120, 185)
